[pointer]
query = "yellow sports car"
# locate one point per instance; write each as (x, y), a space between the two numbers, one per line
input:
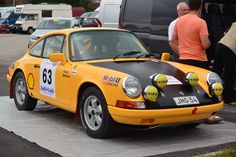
(107, 77)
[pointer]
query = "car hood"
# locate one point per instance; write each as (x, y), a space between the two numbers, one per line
(143, 70)
(41, 32)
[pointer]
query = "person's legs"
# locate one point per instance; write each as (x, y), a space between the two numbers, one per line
(229, 60)
(218, 61)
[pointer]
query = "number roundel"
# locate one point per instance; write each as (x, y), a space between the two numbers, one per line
(47, 76)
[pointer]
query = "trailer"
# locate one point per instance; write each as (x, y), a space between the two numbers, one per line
(33, 14)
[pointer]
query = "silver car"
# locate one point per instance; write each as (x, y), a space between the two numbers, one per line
(51, 24)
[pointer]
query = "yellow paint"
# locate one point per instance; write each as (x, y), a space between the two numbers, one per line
(68, 88)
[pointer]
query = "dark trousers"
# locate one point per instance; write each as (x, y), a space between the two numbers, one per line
(225, 61)
(201, 64)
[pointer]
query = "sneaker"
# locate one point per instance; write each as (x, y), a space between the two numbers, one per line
(232, 103)
(213, 119)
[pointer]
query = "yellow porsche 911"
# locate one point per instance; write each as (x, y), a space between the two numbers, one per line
(108, 78)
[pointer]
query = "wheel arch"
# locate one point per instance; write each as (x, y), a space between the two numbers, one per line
(82, 88)
(11, 82)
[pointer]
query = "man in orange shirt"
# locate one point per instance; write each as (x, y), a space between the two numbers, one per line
(190, 37)
(190, 40)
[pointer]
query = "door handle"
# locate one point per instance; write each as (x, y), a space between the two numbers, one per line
(36, 66)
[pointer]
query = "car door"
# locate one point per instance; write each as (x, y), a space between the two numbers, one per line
(32, 69)
(55, 77)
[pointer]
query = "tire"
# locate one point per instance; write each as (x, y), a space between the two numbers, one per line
(190, 125)
(94, 115)
(22, 99)
(30, 30)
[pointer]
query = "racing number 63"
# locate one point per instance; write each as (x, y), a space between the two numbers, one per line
(47, 76)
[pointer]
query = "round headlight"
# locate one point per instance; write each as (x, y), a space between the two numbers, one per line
(131, 86)
(150, 93)
(213, 77)
(160, 80)
(216, 89)
(191, 78)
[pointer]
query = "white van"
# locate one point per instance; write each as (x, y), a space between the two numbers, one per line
(109, 12)
(33, 14)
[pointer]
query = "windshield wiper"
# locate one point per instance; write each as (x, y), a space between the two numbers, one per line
(146, 55)
(134, 52)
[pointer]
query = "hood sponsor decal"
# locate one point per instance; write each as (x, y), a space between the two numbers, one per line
(171, 79)
(111, 80)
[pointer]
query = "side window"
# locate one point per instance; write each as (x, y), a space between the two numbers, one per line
(138, 11)
(53, 44)
(36, 50)
(46, 13)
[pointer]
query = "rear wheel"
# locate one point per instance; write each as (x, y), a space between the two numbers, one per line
(94, 115)
(30, 30)
(22, 99)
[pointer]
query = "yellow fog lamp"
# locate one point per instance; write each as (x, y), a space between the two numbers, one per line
(160, 81)
(216, 89)
(150, 93)
(191, 78)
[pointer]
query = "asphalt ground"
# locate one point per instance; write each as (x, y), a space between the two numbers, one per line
(11, 48)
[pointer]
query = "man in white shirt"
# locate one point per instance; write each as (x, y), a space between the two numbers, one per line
(182, 9)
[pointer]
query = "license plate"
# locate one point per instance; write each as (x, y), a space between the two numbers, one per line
(186, 100)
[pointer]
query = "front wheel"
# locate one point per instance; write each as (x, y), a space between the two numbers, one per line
(94, 115)
(22, 99)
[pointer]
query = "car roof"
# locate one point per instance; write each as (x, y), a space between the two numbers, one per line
(71, 30)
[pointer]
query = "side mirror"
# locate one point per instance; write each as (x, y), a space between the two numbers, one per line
(165, 56)
(57, 57)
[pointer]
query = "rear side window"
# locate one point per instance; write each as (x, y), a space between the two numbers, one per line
(37, 49)
(138, 11)
(46, 13)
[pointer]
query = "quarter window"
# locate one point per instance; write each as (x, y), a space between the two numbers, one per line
(36, 50)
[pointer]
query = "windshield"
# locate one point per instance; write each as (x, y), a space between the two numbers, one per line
(5, 13)
(100, 44)
(54, 24)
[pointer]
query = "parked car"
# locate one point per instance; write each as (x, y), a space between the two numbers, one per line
(51, 24)
(109, 12)
(88, 22)
(90, 14)
(108, 78)
(8, 18)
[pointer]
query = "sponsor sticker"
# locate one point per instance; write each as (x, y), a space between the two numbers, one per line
(30, 81)
(110, 80)
(171, 79)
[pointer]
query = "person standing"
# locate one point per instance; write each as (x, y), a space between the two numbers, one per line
(225, 58)
(190, 40)
(190, 37)
(182, 9)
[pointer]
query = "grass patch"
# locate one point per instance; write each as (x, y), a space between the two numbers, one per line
(227, 152)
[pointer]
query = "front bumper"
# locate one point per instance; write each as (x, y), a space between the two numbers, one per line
(163, 116)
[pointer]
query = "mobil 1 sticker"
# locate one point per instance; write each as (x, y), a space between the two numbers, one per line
(47, 78)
